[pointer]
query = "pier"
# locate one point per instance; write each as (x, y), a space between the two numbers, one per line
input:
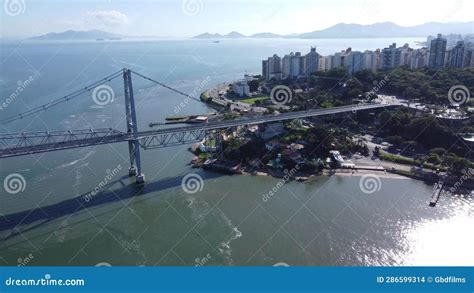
(436, 193)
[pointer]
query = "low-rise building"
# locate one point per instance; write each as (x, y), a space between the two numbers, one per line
(241, 88)
(272, 144)
(336, 156)
(293, 156)
(270, 130)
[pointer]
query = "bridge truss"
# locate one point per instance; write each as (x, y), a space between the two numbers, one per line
(27, 143)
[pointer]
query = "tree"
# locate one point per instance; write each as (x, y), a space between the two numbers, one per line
(459, 165)
(433, 159)
(253, 85)
(438, 151)
(395, 140)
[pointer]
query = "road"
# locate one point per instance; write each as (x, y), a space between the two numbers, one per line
(29, 143)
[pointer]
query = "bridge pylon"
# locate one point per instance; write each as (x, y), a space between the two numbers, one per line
(132, 128)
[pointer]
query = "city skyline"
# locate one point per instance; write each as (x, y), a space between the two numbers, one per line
(150, 18)
(437, 53)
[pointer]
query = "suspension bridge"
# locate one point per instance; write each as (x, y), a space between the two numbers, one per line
(27, 143)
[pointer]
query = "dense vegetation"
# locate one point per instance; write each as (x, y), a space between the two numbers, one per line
(425, 85)
(337, 87)
(317, 141)
(320, 140)
(425, 138)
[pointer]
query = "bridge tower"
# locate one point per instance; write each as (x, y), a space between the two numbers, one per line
(132, 128)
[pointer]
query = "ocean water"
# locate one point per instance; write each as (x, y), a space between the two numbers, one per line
(226, 222)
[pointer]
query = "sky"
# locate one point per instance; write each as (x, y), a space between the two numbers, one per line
(186, 18)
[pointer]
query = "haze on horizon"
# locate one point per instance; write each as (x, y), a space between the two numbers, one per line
(186, 18)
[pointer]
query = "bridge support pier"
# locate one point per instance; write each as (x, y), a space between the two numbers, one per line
(140, 178)
(132, 127)
(135, 162)
(132, 171)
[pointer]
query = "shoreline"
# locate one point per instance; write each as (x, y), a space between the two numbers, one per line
(302, 177)
(398, 172)
(334, 172)
(360, 165)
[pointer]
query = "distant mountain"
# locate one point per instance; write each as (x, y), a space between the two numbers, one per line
(231, 35)
(343, 30)
(234, 35)
(388, 29)
(376, 30)
(77, 35)
(444, 28)
(265, 35)
(208, 36)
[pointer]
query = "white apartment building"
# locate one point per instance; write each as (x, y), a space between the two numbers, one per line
(325, 63)
(286, 65)
(297, 65)
(241, 88)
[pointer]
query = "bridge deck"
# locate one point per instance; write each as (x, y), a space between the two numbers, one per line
(20, 144)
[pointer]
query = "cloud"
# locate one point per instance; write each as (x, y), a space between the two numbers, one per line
(111, 18)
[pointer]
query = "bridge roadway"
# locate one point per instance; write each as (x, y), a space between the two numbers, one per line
(21, 144)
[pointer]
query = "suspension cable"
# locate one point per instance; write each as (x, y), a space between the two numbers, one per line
(166, 86)
(79, 92)
(65, 98)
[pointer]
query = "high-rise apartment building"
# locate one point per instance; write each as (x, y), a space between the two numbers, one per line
(391, 57)
(312, 61)
(456, 55)
(437, 52)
